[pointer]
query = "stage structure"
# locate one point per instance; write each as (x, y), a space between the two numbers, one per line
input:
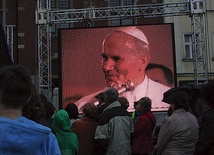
(45, 17)
(10, 40)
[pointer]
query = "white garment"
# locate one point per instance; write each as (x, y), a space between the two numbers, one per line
(151, 89)
(148, 88)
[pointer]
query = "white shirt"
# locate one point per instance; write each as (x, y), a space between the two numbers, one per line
(151, 89)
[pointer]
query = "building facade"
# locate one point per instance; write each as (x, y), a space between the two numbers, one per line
(183, 43)
(21, 14)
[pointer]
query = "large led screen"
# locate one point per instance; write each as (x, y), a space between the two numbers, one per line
(137, 60)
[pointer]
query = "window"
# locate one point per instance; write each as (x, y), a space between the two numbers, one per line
(59, 5)
(188, 46)
(114, 3)
(188, 43)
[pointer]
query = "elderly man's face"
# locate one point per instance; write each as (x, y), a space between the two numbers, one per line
(121, 62)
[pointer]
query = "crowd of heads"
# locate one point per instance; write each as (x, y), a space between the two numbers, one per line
(18, 92)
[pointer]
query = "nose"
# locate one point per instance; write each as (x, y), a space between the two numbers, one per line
(108, 64)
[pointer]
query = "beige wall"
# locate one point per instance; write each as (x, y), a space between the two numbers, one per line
(182, 25)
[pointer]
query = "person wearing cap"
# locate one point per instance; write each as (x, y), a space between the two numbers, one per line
(179, 132)
(125, 56)
(141, 139)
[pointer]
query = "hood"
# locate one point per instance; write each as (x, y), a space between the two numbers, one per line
(61, 123)
(21, 136)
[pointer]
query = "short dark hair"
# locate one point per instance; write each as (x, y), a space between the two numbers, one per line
(124, 102)
(15, 86)
(72, 110)
(111, 94)
(34, 109)
(181, 100)
(145, 102)
(100, 97)
(90, 110)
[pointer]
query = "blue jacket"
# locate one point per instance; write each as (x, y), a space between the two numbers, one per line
(22, 136)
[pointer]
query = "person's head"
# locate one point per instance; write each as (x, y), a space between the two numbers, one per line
(15, 87)
(49, 107)
(144, 104)
(125, 55)
(61, 122)
(208, 93)
(124, 102)
(90, 110)
(35, 108)
(110, 95)
(72, 111)
(160, 73)
(180, 100)
(100, 98)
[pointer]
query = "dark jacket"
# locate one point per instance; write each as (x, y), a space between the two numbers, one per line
(85, 130)
(142, 142)
(205, 143)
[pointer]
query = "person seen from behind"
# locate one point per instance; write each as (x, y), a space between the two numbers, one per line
(124, 102)
(141, 139)
(19, 135)
(67, 140)
(205, 143)
(49, 107)
(113, 133)
(73, 112)
(85, 129)
(35, 110)
(179, 132)
(101, 106)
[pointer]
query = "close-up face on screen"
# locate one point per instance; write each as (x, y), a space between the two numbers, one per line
(136, 60)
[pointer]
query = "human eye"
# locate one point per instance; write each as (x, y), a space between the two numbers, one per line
(116, 58)
(104, 57)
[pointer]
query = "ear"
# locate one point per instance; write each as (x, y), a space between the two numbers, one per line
(144, 61)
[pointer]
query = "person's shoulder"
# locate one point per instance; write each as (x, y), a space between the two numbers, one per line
(150, 113)
(159, 86)
(32, 125)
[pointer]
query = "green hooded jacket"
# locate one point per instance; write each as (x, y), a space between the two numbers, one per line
(67, 140)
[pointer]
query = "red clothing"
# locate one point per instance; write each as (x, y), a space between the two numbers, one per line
(142, 137)
(85, 130)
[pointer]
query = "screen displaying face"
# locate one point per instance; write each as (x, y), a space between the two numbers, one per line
(137, 60)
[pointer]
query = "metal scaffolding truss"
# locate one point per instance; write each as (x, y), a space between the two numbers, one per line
(10, 41)
(120, 12)
(45, 17)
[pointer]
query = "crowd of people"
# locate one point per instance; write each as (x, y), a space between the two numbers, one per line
(27, 127)
(122, 123)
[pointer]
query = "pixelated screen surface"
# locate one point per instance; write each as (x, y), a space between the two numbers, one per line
(81, 71)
